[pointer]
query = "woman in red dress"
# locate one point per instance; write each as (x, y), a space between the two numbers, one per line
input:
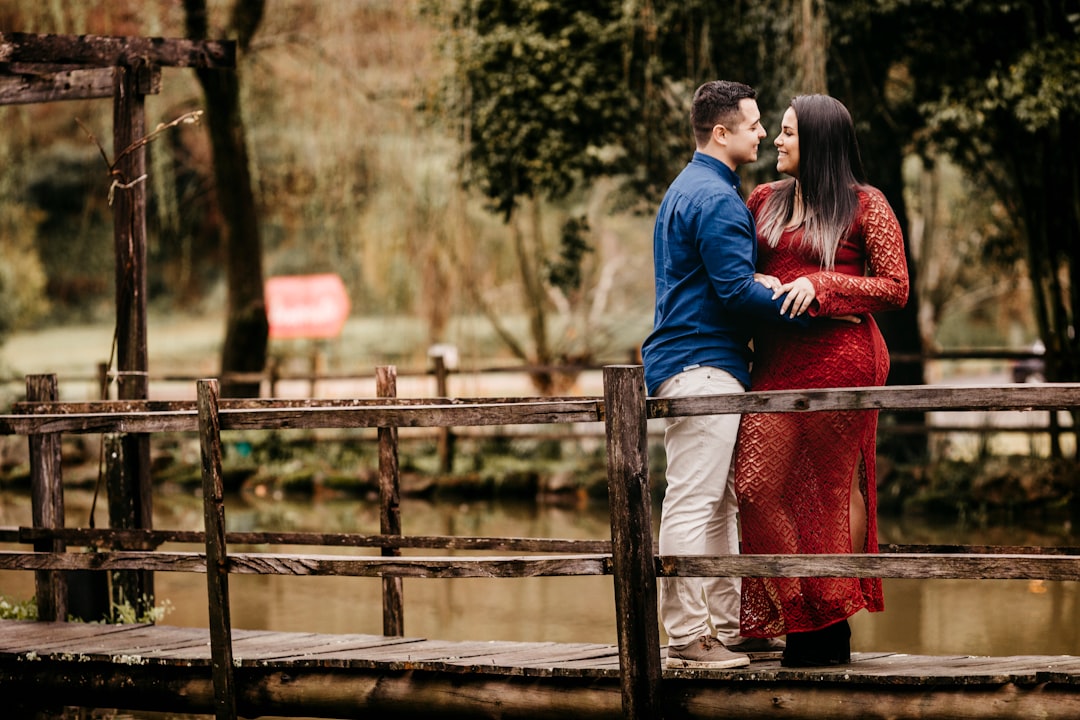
(806, 482)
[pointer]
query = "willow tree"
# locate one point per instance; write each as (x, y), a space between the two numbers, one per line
(247, 327)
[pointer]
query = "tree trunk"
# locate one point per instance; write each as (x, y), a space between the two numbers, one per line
(247, 329)
(813, 46)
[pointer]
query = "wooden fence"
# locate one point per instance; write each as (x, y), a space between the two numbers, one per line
(630, 556)
(439, 379)
(1022, 363)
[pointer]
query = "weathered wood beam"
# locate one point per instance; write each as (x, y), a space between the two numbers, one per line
(917, 566)
(321, 692)
(390, 504)
(108, 51)
(1049, 396)
(155, 416)
(47, 501)
(634, 567)
(130, 488)
(415, 692)
(217, 562)
(150, 539)
(83, 407)
(434, 415)
(894, 565)
(38, 87)
(297, 564)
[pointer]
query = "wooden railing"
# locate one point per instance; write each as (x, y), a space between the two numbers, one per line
(1024, 363)
(630, 556)
(441, 373)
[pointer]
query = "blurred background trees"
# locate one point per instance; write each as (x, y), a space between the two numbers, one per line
(472, 162)
(247, 329)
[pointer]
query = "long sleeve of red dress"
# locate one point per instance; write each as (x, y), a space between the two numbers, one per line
(885, 284)
(794, 472)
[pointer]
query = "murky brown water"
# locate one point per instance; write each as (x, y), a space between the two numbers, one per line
(987, 617)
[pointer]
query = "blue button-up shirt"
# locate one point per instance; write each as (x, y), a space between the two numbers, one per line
(707, 303)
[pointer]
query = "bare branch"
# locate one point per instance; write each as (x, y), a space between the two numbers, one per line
(93, 138)
(188, 118)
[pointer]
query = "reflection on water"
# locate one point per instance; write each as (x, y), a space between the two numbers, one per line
(986, 617)
(973, 617)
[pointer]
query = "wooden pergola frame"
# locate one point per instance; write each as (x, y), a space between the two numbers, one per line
(37, 68)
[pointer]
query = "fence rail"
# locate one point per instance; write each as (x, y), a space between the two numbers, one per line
(630, 555)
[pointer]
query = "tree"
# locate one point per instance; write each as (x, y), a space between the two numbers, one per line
(551, 98)
(1004, 105)
(542, 103)
(247, 328)
(1002, 99)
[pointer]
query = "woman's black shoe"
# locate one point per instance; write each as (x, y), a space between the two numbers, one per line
(829, 646)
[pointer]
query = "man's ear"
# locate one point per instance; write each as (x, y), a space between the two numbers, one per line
(719, 134)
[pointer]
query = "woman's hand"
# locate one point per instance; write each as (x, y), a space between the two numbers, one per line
(800, 293)
(770, 281)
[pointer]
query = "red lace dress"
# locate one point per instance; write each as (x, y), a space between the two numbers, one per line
(794, 471)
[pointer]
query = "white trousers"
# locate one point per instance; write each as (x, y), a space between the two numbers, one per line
(699, 513)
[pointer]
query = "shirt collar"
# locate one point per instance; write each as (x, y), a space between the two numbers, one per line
(729, 175)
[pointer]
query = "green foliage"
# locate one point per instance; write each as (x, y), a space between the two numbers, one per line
(22, 277)
(124, 613)
(23, 298)
(540, 93)
(993, 489)
(565, 273)
(559, 105)
(547, 101)
(11, 609)
(548, 95)
(1004, 101)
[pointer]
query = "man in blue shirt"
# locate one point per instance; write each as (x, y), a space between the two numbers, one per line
(707, 302)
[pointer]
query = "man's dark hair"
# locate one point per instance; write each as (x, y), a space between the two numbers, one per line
(717, 103)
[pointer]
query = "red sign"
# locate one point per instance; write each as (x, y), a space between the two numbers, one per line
(306, 306)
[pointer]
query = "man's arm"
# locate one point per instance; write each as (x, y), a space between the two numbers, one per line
(728, 247)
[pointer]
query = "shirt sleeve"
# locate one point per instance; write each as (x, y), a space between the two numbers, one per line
(885, 285)
(727, 240)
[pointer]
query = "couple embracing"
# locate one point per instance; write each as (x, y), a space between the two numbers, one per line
(797, 270)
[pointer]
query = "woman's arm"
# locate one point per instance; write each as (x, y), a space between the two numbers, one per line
(885, 286)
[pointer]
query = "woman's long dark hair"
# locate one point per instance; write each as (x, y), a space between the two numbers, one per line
(830, 174)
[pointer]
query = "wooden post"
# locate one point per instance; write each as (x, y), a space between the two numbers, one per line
(47, 501)
(1054, 427)
(446, 435)
(275, 375)
(103, 380)
(134, 505)
(630, 507)
(217, 561)
(390, 504)
(318, 366)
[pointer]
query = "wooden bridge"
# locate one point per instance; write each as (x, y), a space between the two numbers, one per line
(363, 676)
(232, 672)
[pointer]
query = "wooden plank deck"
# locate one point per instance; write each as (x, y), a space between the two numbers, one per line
(157, 667)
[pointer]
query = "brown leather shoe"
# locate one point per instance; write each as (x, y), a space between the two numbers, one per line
(705, 653)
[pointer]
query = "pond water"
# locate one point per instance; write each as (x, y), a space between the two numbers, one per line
(971, 617)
